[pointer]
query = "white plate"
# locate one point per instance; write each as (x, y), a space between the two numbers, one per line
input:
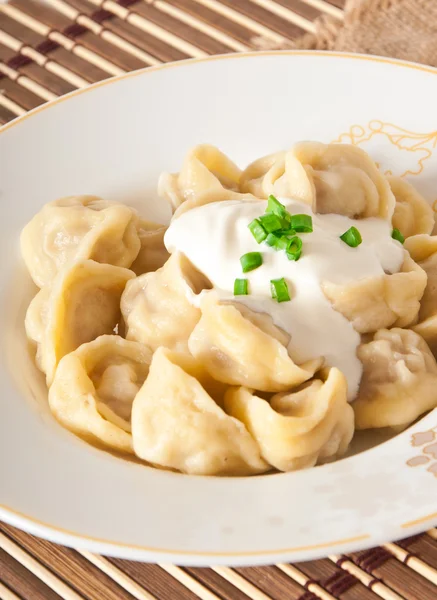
(113, 139)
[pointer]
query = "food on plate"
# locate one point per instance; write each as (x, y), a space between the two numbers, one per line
(95, 386)
(284, 306)
(78, 228)
(80, 304)
(399, 380)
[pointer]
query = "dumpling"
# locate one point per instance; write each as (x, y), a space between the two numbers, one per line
(153, 253)
(77, 228)
(177, 425)
(423, 249)
(399, 380)
(81, 303)
(377, 302)
(94, 387)
(337, 178)
(301, 428)
(266, 176)
(158, 307)
(413, 215)
(242, 347)
(207, 175)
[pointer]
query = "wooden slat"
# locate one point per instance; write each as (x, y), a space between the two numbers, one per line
(85, 14)
(7, 594)
(23, 583)
(117, 575)
(71, 61)
(261, 15)
(370, 581)
(84, 578)
(400, 578)
(326, 7)
(190, 582)
(154, 580)
(145, 41)
(27, 12)
(300, 7)
(217, 584)
(336, 581)
(52, 581)
(232, 28)
(268, 581)
(26, 83)
(19, 31)
(9, 104)
(78, 65)
(183, 31)
(197, 24)
(414, 562)
(15, 92)
(5, 116)
(48, 80)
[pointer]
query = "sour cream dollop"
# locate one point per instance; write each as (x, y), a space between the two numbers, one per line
(215, 236)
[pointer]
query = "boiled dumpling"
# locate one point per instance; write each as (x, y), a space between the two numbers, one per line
(413, 214)
(77, 228)
(158, 307)
(399, 380)
(81, 303)
(242, 347)
(337, 178)
(94, 387)
(153, 253)
(207, 175)
(423, 249)
(177, 425)
(266, 176)
(301, 428)
(377, 302)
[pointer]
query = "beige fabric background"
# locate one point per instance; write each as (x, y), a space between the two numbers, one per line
(400, 28)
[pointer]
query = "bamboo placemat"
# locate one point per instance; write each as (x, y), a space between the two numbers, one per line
(47, 50)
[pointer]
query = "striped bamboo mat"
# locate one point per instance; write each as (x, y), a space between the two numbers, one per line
(49, 49)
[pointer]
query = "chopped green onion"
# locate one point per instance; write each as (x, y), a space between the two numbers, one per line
(302, 223)
(397, 235)
(279, 290)
(241, 287)
(276, 241)
(271, 222)
(257, 230)
(251, 261)
(294, 248)
(287, 232)
(274, 206)
(352, 237)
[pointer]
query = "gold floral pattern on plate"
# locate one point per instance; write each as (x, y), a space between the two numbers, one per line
(413, 148)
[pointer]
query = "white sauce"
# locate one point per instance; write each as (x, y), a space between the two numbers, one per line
(214, 236)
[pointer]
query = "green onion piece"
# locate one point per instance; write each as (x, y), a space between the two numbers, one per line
(302, 223)
(271, 222)
(241, 287)
(397, 235)
(294, 248)
(277, 242)
(257, 230)
(287, 232)
(352, 237)
(279, 290)
(251, 261)
(274, 206)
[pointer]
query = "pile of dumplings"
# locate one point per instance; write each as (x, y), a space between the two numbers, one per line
(134, 365)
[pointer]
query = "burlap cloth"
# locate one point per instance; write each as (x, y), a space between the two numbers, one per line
(399, 28)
